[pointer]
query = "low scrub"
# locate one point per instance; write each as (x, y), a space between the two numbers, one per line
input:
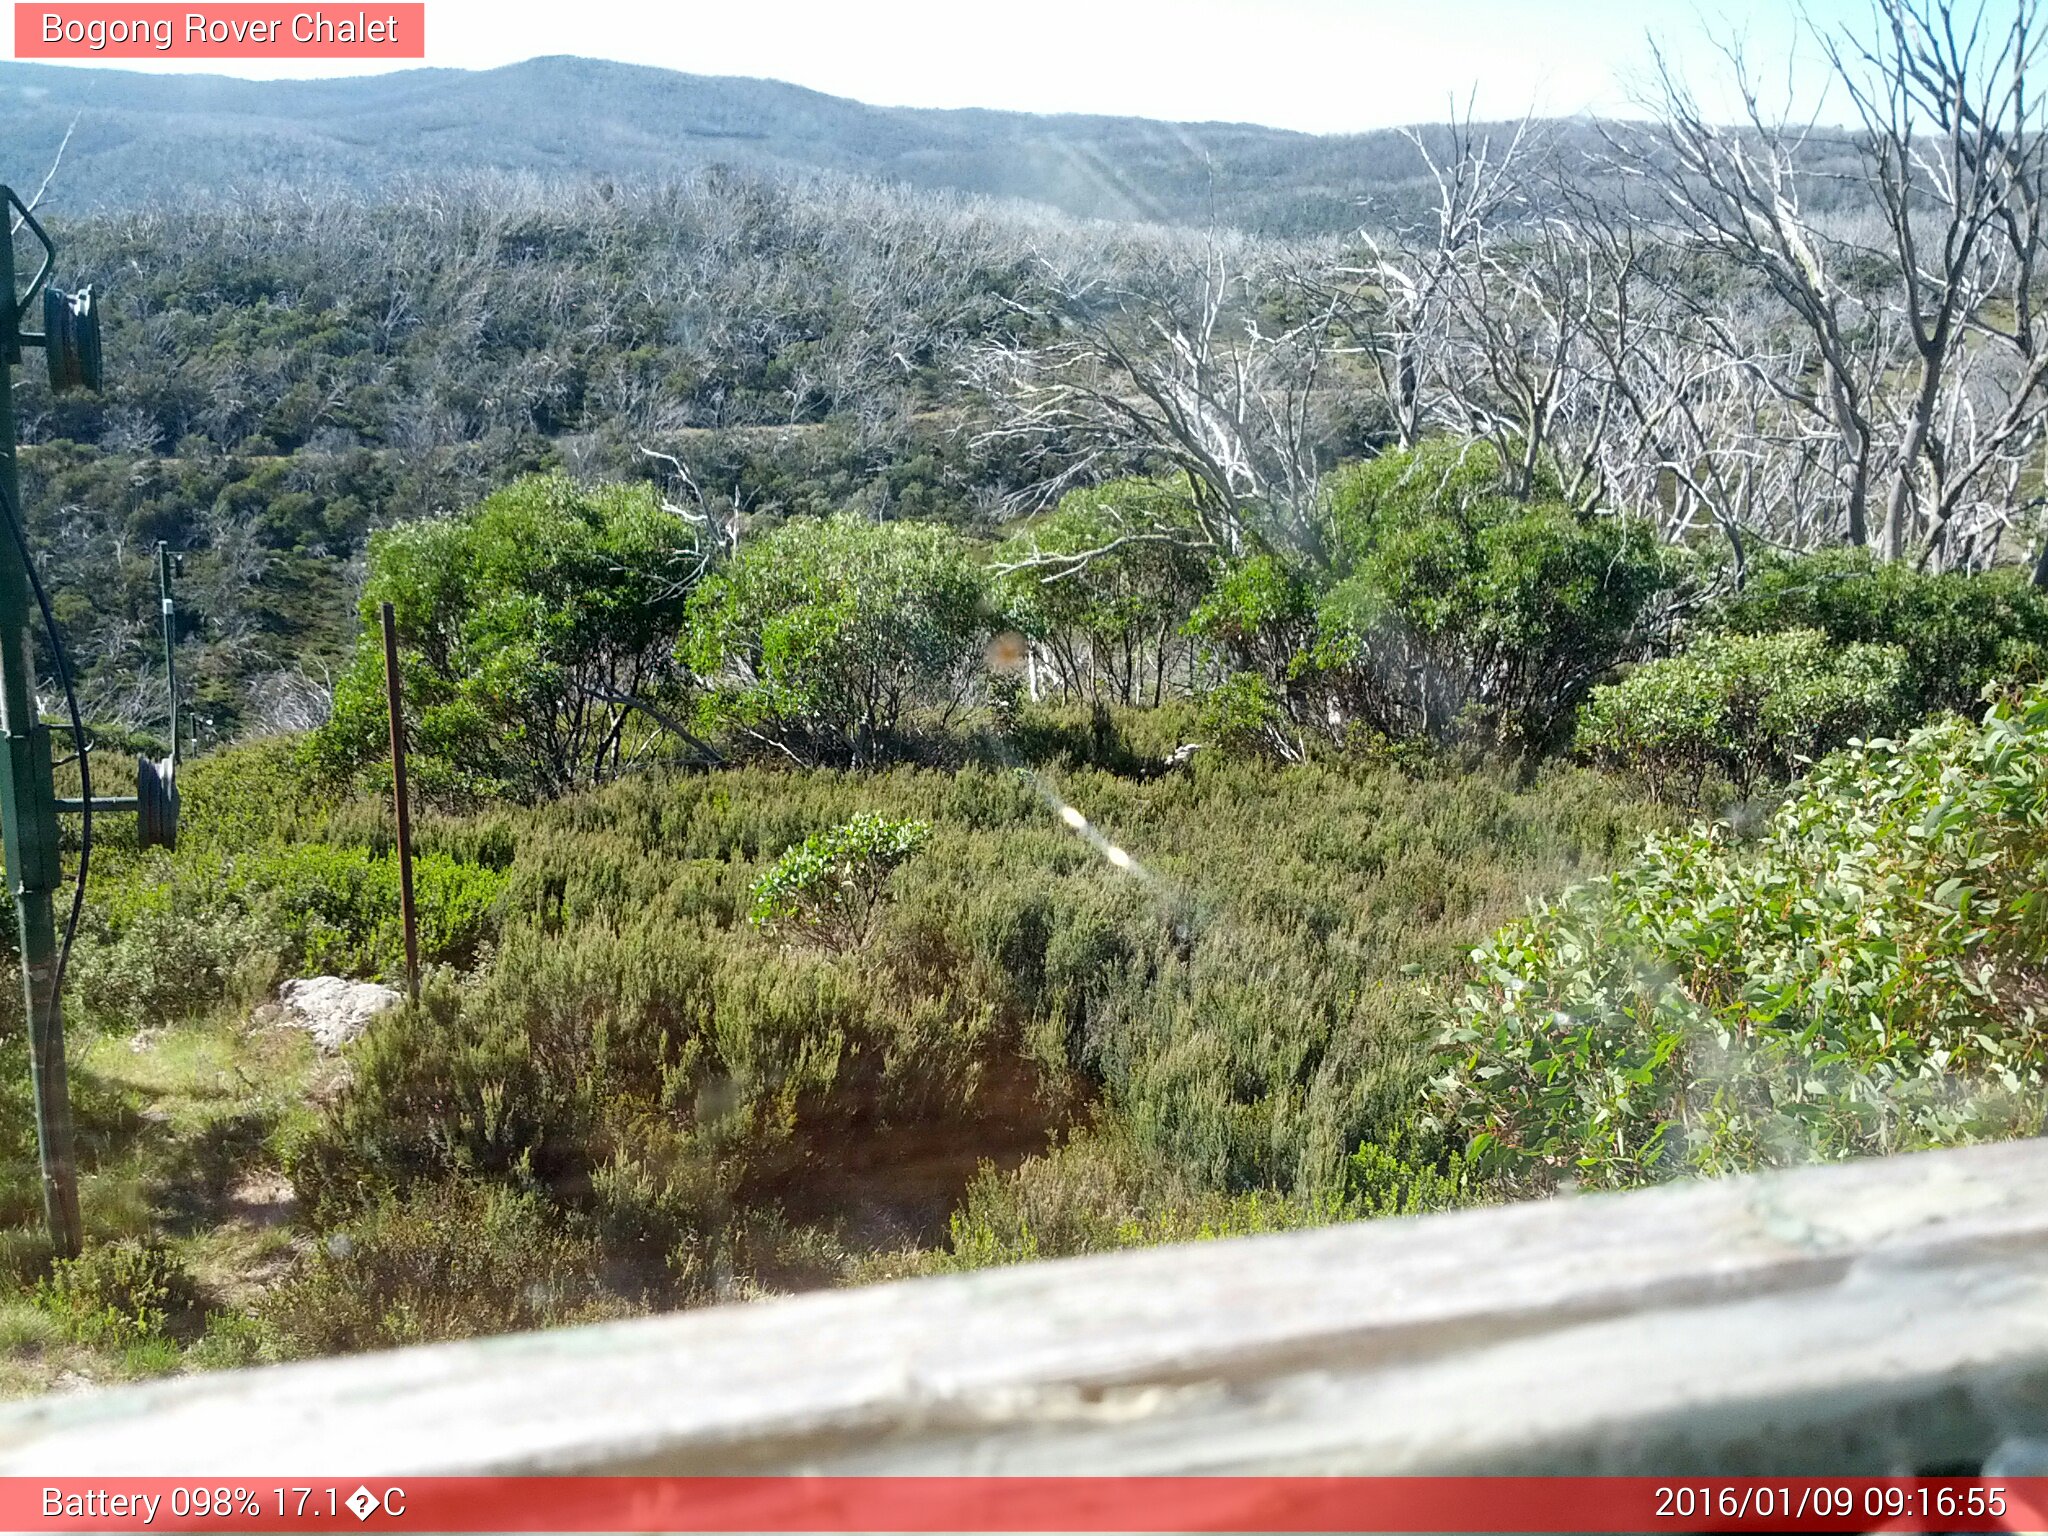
(1747, 708)
(1232, 996)
(273, 877)
(448, 1261)
(1960, 632)
(121, 1294)
(1102, 1191)
(207, 926)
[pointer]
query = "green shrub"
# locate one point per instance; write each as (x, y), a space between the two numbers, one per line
(115, 1295)
(168, 961)
(1444, 606)
(527, 627)
(248, 795)
(1382, 1181)
(1098, 1193)
(272, 873)
(1244, 716)
(829, 887)
(1960, 632)
(1748, 706)
(232, 1341)
(1462, 609)
(1103, 583)
(1105, 1190)
(1260, 618)
(196, 926)
(639, 1077)
(1006, 701)
(1863, 980)
(816, 641)
(517, 1075)
(337, 909)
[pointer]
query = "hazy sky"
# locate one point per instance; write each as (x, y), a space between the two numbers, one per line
(1319, 65)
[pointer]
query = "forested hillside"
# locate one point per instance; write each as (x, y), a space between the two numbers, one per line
(293, 375)
(945, 733)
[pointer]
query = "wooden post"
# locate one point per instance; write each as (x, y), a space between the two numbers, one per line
(394, 696)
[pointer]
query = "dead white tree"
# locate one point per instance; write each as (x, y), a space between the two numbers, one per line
(1205, 360)
(1407, 289)
(43, 187)
(715, 530)
(1954, 149)
(1733, 198)
(1525, 366)
(1902, 376)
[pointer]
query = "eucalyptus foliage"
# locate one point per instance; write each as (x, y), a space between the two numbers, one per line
(1244, 715)
(1465, 609)
(1103, 584)
(1443, 605)
(534, 631)
(1959, 631)
(1865, 979)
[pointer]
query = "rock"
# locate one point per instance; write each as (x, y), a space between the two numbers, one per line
(1173, 762)
(334, 1009)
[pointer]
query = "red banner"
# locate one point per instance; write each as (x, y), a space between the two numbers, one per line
(1011, 1504)
(224, 31)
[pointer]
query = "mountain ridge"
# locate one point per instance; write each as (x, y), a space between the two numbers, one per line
(143, 137)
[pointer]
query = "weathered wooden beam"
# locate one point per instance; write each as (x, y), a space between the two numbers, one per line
(1881, 1317)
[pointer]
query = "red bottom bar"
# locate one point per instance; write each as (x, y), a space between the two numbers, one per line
(1012, 1504)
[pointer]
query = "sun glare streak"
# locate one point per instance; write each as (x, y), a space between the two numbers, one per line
(1117, 858)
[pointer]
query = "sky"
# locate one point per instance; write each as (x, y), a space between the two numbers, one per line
(1315, 65)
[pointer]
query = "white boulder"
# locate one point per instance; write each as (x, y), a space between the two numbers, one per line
(332, 1008)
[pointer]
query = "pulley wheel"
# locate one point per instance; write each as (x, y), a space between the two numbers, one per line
(71, 339)
(156, 802)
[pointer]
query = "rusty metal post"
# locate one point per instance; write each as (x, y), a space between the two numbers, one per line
(395, 697)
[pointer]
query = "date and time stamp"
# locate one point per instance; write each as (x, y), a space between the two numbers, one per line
(1761, 1504)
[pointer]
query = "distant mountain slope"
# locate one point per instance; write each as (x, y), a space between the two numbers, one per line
(144, 137)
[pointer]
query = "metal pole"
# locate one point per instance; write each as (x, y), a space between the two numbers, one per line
(394, 698)
(163, 585)
(28, 821)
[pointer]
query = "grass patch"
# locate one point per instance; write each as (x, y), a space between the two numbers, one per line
(181, 1120)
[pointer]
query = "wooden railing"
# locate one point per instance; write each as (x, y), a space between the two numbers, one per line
(1879, 1318)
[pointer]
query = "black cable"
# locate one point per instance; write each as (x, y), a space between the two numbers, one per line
(28, 564)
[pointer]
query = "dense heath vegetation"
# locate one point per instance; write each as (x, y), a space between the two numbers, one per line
(948, 735)
(760, 959)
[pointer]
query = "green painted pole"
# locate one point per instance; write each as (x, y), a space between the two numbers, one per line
(28, 816)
